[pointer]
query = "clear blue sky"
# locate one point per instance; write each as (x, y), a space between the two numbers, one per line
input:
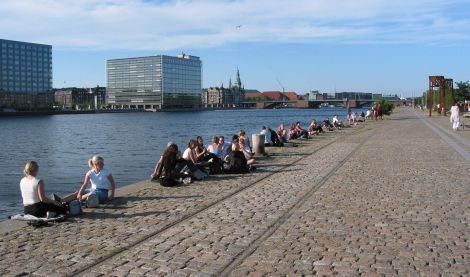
(349, 45)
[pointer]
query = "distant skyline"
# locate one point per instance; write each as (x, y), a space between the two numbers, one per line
(382, 46)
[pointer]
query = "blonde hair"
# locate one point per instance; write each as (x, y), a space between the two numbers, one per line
(30, 167)
(94, 161)
(235, 147)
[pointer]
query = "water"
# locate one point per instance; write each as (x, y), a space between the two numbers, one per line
(130, 143)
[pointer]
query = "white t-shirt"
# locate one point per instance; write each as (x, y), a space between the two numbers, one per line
(29, 190)
(186, 153)
(100, 180)
(247, 152)
(335, 119)
(267, 136)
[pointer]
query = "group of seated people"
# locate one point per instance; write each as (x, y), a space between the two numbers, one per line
(198, 160)
(296, 131)
(173, 168)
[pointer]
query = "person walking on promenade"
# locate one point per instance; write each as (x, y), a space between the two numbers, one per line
(454, 116)
(100, 179)
(33, 193)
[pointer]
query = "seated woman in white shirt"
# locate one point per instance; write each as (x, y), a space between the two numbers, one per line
(100, 179)
(33, 193)
(246, 151)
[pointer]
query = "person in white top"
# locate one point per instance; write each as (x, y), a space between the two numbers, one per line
(100, 179)
(267, 136)
(35, 201)
(455, 116)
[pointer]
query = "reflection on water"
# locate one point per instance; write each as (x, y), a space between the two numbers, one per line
(130, 143)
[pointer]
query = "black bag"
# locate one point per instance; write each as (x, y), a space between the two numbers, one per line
(167, 181)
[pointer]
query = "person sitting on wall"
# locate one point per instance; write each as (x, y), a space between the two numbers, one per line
(267, 136)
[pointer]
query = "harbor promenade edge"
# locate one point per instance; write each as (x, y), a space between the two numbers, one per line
(138, 211)
(387, 199)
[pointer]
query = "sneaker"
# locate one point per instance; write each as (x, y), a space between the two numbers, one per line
(56, 198)
(187, 180)
(50, 214)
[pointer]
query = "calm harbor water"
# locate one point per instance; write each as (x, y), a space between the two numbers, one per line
(130, 143)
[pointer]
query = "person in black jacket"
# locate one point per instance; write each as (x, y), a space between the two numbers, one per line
(170, 171)
(236, 161)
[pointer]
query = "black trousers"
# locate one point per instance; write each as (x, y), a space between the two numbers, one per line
(40, 209)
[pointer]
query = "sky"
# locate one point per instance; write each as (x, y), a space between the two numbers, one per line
(379, 46)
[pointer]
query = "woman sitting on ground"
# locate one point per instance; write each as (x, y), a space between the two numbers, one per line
(200, 149)
(327, 124)
(313, 129)
(170, 174)
(100, 179)
(282, 133)
(236, 161)
(34, 197)
(293, 134)
(215, 148)
(189, 155)
(243, 135)
(301, 133)
(154, 176)
(246, 151)
(225, 147)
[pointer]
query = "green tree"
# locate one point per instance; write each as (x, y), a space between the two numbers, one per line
(462, 92)
(387, 107)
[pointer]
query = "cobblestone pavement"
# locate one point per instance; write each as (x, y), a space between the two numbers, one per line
(138, 212)
(205, 244)
(411, 218)
(391, 198)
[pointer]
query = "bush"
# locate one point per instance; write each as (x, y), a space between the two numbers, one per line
(387, 107)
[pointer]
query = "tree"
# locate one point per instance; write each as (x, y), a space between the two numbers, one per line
(462, 92)
(387, 107)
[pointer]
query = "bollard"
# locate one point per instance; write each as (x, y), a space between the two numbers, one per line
(258, 144)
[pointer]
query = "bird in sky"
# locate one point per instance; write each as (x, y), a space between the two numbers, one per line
(238, 26)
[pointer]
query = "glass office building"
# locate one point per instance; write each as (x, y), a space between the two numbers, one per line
(154, 82)
(25, 74)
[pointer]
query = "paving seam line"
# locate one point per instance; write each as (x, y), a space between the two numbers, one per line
(202, 209)
(451, 142)
(275, 225)
(450, 133)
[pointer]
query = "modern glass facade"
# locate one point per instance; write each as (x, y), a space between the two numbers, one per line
(154, 82)
(25, 73)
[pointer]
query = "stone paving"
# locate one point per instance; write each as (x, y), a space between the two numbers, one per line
(411, 218)
(391, 198)
(138, 211)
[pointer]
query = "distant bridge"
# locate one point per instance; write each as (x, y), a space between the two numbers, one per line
(352, 103)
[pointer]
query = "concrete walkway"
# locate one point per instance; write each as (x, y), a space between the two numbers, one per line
(390, 198)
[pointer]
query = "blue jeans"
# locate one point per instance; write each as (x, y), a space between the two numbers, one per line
(102, 195)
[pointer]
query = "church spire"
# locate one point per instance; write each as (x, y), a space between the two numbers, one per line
(238, 82)
(230, 83)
